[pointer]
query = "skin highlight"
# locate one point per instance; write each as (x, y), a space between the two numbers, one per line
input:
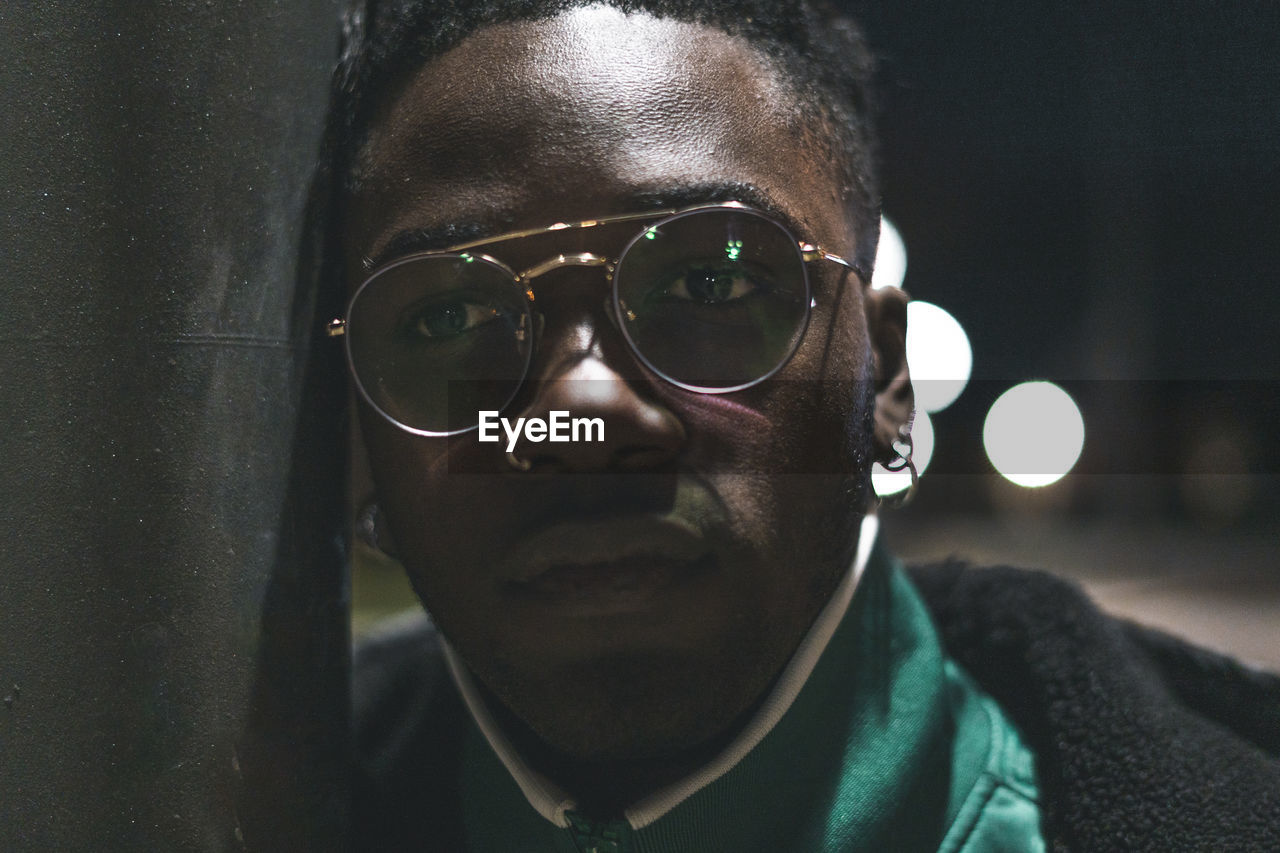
(589, 113)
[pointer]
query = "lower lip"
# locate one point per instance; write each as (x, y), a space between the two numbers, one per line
(630, 585)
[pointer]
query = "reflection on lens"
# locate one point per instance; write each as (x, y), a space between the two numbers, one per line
(713, 300)
(434, 340)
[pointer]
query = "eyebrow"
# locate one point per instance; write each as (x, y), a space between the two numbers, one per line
(657, 199)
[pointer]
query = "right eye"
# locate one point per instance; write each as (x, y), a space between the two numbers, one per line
(447, 318)
(706, 285)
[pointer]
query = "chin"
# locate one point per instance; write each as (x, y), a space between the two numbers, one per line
(632, 707)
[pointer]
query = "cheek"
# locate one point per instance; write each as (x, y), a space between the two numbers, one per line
(802, 456)
(837, 344)
(418, 495)
(400, 463)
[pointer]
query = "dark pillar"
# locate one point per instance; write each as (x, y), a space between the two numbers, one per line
(172, 641)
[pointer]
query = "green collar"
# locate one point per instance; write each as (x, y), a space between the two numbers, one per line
(882, 748)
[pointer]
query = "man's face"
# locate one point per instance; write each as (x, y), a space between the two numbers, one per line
(631, 598)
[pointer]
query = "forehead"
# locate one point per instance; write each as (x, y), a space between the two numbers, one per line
(585, 114)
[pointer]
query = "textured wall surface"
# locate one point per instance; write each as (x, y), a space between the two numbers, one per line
(172, 655)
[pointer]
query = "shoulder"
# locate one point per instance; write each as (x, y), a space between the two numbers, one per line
(1142, 742)
(407, 721)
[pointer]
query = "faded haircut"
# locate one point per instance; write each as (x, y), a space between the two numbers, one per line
(820, 52)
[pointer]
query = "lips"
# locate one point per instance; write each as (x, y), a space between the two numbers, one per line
(602, 541)
(632, 580)
(605, 566)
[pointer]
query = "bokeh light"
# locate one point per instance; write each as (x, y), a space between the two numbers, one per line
(1034, 434)
(887, 482)
(938, 354)
(891, 257)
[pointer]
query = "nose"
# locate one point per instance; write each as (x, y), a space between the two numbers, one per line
(625, 429)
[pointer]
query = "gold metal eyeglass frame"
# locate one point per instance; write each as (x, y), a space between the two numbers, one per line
(808, 252)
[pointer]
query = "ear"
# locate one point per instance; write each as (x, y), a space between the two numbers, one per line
(369, 524)
(886, 311)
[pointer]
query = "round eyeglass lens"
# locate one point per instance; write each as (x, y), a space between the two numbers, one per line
(713, 300)
(435, 340)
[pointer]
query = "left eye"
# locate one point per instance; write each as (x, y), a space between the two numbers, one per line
(710, 285)
(449, 319)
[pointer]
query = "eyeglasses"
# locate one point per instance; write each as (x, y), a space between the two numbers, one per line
(713, 299)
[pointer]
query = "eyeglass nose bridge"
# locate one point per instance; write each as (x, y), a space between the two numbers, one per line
(579, 259)
(576, 259)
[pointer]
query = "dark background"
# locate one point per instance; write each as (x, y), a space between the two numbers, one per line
(1093, 191)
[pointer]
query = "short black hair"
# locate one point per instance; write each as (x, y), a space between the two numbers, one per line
(820, 51)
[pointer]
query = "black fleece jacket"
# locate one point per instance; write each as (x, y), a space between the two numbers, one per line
(1143, 742)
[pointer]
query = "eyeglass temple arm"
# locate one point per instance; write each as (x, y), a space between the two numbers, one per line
(811, 252)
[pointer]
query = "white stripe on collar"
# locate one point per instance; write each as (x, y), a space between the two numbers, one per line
(551, 801)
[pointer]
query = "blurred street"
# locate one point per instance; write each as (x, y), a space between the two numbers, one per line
(1221, 591)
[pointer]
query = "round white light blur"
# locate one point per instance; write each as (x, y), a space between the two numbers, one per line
(1034, 434)
(887, 482)
(938, 354)
(891, 257)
